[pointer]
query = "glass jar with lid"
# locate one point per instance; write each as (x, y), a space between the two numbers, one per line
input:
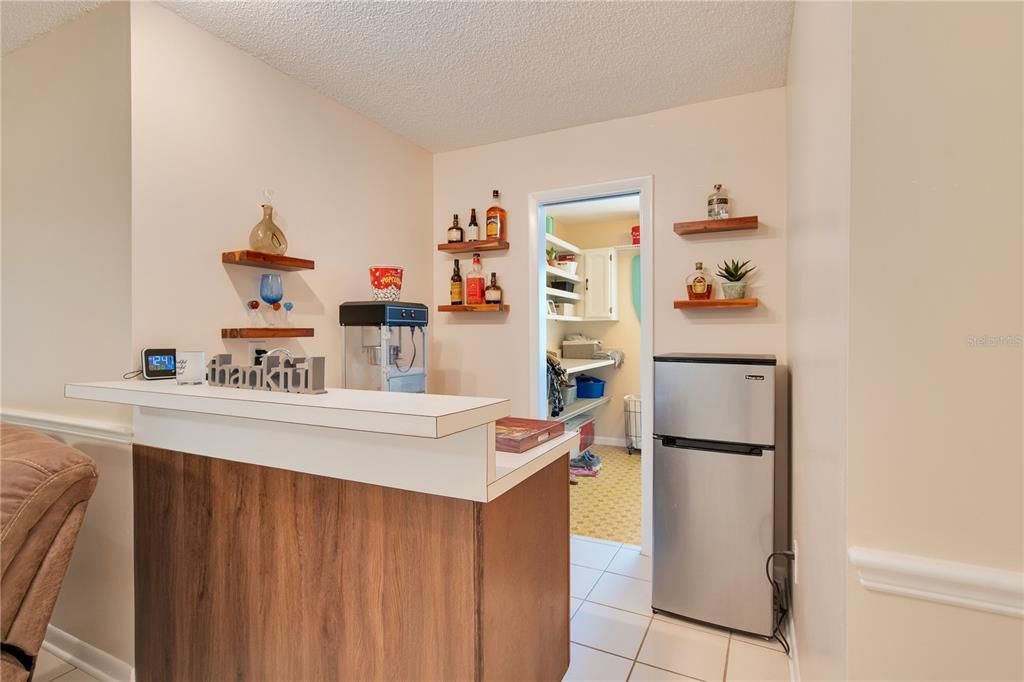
(718, 203)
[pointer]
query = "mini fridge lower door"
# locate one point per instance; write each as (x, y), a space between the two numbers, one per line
(713, 530)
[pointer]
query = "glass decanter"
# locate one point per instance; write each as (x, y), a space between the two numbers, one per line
(266, 236)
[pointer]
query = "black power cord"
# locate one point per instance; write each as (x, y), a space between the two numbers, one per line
(781, 596)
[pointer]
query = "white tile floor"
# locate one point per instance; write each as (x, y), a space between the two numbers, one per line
(50, 668)
(615, 637)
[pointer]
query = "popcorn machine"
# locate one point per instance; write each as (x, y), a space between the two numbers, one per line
(385, 346)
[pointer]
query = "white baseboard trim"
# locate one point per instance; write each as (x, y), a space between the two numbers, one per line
(945, 582)
(608, 440)
(794, 659)
(71, 426)
(86, 657)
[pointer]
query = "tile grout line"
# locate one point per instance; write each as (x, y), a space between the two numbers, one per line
(640, 648)
(728, 650)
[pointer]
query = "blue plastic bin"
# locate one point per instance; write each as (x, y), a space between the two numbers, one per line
(589, 387)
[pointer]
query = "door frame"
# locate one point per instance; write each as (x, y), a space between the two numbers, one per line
(644, 186)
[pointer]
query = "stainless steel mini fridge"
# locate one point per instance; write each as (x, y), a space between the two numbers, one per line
(716, 500)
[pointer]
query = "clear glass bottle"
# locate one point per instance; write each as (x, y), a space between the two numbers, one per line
(475, 282)
(718, 203)
(493, 293)
(698, 284)
(455, 233)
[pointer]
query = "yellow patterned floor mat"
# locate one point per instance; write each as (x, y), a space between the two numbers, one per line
(607, 506)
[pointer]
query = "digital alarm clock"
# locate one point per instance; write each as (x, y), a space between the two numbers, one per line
(159, 363)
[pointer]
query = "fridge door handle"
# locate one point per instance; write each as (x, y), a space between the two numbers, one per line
(712, 446)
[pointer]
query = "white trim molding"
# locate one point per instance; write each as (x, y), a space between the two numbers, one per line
(71, 426)
(945, 582)
(86, 657)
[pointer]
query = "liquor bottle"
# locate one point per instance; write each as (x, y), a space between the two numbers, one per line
(497, 227)
(455, 234)
(456, 287)
(493, 293)
(473, 229)
(718, 204)
(698, 284)
(475, 282)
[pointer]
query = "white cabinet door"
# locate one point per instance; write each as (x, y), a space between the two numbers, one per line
(601, 284)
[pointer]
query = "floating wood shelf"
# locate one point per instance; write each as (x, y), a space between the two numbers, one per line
(720, 225)
(472, 247)
(266, 332)
(271, 261)
(718, 303)
(480, 308)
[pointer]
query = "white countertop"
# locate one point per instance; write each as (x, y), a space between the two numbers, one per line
(435, 444)
(403, 414)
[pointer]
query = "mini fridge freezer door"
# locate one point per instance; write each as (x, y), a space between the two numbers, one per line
(713, 516)
(730, 403)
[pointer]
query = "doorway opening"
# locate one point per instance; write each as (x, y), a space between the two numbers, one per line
(591, 341)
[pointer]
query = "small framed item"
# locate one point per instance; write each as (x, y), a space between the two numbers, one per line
(159, 363)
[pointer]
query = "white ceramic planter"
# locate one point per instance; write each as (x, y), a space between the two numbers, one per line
(734, 289)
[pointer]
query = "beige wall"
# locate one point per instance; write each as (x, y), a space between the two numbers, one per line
(67, 282)
(739, 141)
(143, 158)
(818, 188)
(212, 127)
(935, 443)
(66, 213)
(623, 334)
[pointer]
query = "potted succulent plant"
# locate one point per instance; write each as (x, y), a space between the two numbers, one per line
(733, 273)
(552, 256)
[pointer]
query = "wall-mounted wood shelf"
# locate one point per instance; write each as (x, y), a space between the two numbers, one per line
(265, 332)
(712, 226)
(473, 247)
(717, 303)
(479, 308)
(271, 261)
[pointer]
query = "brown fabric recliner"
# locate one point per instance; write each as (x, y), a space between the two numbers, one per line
(44, 489)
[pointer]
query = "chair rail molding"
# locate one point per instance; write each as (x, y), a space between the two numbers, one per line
(945, 582)
(95, 429)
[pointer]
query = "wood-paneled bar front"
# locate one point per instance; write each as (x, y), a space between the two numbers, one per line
(245, 572)
(346, 536)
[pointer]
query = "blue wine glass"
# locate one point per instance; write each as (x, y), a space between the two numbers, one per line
(271, 289)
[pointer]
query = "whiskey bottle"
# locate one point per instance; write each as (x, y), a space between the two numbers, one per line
(492, 294)
(473, 229)
(456, 286)
(496, 219)
(455, 234)
(698, 284)
(475, 282)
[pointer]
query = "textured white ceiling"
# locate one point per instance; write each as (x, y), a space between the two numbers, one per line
(596, 210)
(451, 74)
(23, 20)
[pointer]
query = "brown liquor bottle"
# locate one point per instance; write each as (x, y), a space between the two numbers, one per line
(456, 286)
(493, 293)
(497, 220)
